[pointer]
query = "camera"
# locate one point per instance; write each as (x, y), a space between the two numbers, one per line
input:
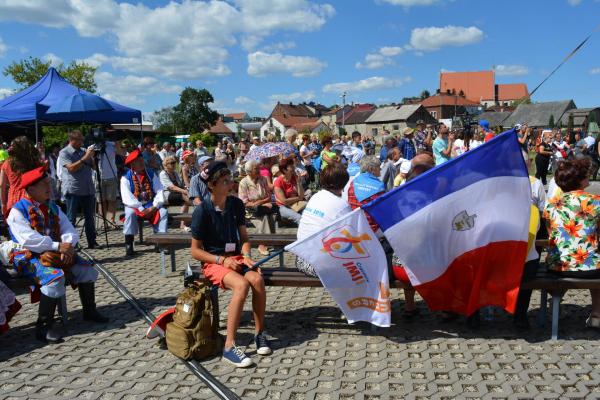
(96, 138)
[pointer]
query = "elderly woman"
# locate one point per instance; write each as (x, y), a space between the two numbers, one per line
(175, 192)
(254, 191)
(220, 242)
(572, 221)
(324, 207)
(289, 193)
(189, 167)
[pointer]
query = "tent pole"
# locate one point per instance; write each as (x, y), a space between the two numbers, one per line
(36, 131)
(141, 133)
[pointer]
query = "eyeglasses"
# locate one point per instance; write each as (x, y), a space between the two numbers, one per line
(171, 162)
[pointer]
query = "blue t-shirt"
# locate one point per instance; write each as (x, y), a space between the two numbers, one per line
(440, 145)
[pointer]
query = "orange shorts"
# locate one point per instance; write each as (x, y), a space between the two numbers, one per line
(215, 273)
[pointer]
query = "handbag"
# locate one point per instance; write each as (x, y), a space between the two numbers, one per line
(298, 206)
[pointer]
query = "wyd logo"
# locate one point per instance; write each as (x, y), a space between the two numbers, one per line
(344, 243)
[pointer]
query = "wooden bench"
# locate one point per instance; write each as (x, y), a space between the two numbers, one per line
(171, 241)
(556, 286)
(281, 223)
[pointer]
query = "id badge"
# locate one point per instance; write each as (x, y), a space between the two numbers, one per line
(229, 247)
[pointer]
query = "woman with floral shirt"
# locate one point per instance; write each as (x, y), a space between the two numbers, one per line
(573, 221)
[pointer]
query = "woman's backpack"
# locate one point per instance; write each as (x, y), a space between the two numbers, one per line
(193, 334)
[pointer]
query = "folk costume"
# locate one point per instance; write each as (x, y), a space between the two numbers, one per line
(140, 191)
(39, 229)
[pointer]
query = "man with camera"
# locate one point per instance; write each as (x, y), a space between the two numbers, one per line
(76, 166)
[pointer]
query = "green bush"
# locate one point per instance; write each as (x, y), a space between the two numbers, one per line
(208, 139)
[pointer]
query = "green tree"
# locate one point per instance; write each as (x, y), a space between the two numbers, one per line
(208, 139)
(163, 120)
(193, 113)
(551, 121)
(425, 94)
(28, 71)
(522, 100)
(593, 117)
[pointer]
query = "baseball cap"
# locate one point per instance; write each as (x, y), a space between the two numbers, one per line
(204, 159)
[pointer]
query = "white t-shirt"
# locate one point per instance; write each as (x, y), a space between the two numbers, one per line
(589, 141)
(303, 153)
(323, 208)
(108, 163)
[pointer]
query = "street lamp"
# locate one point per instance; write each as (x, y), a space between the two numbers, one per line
(343, 96)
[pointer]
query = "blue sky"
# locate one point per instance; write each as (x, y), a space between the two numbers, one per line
(251, 53)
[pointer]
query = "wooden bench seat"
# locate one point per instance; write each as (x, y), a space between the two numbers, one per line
(291, 277)
(282, 223)
(171, 241)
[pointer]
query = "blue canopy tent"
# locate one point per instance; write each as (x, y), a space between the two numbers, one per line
(31, 105)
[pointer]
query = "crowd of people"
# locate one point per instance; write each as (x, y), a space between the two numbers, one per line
(319, 180)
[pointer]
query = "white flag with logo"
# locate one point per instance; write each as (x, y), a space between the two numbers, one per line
(351, 264)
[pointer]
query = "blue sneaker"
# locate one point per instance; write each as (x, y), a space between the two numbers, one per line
(262, 344)
(236, 356)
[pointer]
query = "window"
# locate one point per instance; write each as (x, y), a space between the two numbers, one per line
(374, 131)
(395, 127)
(434, 114)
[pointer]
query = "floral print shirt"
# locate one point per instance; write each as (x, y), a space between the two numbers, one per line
(572, 218)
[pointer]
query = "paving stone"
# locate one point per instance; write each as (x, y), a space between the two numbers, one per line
(317, 355)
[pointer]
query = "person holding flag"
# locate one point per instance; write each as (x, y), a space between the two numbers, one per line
(143, 196)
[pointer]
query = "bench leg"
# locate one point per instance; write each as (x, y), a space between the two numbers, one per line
(141, 230)
(172, 254)
(555, 316)
(62, 308)
(281, 260)
(541, 319)
(214, 294)
(163, 271)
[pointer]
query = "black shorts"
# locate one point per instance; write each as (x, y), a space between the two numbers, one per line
(175, 199)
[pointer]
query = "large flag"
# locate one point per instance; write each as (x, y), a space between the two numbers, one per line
(461, 229)
(351, 264)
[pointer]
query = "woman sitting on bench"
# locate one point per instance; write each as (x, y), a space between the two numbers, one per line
(219, 236)
(573, 229)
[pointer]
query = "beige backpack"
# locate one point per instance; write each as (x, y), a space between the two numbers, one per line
(193, 334)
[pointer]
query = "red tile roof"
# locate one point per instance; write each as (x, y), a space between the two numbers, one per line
(477, 86)
(220, 127)
(512, 91)
(444, 99)
(240, 115)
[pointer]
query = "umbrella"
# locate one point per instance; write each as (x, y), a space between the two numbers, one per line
(270, 150)
(80, 102)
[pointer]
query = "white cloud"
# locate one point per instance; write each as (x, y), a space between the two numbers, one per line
(4, 92)
(262, 64)
(243, 100)
(372, 83)
(55, 60)
(187, 40)
(410, 3)
(260, 18)
(3, 48)
(379, 59)
(574, 2)
(434, 38)
(595, 71)
(511, 70)
(130, 89)
(294, 97)
(280, 46)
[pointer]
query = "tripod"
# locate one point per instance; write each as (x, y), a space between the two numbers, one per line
(97, 159)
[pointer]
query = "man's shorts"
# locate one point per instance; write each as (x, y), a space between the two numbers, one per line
(109, 189)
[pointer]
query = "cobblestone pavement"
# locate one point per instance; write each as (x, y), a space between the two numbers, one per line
(316, 355)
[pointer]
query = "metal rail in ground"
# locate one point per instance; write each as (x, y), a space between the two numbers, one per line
(213, 384)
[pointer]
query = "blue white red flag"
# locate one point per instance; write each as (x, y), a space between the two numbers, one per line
(461, 229)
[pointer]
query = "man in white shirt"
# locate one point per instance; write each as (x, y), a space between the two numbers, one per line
(38, 225)
(143, 196)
